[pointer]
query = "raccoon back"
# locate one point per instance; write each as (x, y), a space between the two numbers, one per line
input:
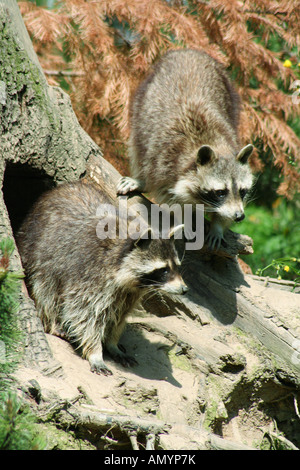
(59, 237)
(186, 101)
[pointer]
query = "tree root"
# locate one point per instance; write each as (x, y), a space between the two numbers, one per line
(100, 424)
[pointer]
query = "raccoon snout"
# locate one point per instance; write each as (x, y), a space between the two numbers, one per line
(239, 216)
(183, 289)
(176, 287)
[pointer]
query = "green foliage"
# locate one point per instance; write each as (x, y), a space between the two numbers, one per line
(17, 425)
(276, 238)
(10, 336)
(44, 3)
(273, 223)
(281, 265)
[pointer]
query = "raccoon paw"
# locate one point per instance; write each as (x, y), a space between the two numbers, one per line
(101, 369)
(128, 185)
(214, 239)
(98, 366)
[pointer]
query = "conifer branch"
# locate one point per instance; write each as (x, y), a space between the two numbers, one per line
(110, 45)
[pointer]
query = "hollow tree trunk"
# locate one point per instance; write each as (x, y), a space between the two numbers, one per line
(223, 359)
(41, 144)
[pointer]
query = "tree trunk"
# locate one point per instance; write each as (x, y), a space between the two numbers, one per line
(220, 366)
(41, 145)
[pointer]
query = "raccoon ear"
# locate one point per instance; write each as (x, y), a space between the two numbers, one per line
(245, 153)
(205, 155)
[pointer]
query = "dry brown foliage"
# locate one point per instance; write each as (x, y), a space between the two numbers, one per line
(110, 45)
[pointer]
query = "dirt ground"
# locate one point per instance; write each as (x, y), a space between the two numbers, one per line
(174, 382)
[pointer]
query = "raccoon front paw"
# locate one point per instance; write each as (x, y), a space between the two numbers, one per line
(99, 367)
(214, 238)
(128, 185)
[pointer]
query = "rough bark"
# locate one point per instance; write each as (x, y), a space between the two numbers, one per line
(41, 145)
(222, 360)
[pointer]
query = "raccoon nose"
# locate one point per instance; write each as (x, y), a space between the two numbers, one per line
(184, 289)
(239, 216)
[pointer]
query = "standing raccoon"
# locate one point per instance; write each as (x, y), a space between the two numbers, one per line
(184, 146)
(84, 286)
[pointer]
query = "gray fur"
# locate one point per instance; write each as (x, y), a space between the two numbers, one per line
(187, 103)
(85, 287)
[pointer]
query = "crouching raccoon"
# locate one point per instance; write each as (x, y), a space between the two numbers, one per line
(84, 287)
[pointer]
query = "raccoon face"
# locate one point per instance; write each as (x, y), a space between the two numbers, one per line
(220, 183)
(153, 263)
(167, 278)
(160, 266)
(228, 201)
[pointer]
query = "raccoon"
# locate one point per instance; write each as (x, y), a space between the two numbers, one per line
(184, 145)
(84, 287)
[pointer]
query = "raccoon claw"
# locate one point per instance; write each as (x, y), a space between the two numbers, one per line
(127, 185)
(101, 369)
(215, 236)
(214, 241)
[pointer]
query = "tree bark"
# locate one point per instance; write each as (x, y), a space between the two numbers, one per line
(41, 145)
(236, 336)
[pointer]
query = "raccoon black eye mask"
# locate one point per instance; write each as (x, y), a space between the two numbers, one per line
(213, 198)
